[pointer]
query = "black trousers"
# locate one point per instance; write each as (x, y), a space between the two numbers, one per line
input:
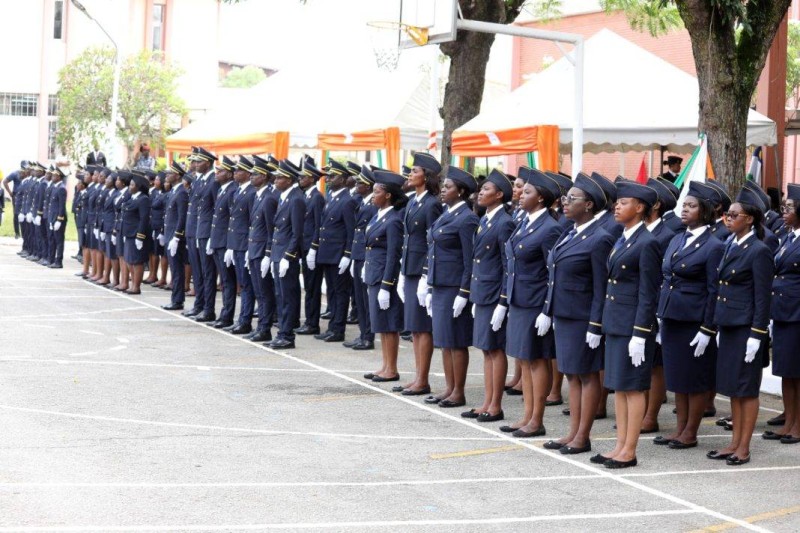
(362, 304)
(312, 283)
(177, 265)
(287, 289)
(339, 296)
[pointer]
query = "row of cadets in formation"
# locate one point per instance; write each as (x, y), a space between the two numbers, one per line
(594, 275)
(40, 204)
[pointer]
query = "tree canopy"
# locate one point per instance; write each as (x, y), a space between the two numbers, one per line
(243, 78)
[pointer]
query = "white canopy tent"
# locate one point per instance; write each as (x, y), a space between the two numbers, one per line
(627, 104)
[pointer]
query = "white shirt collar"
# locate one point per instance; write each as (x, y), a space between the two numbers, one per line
(135, 195)
(419, 197)
(582, 227)
(653, 225)
(720, 219)
(536, 214)
(367, 199)
(744, 238)
(696, 232)
(308, 191)
(453, 208)
(383, 211)
(490, 214)
(628, 232)
(243, 187)
(285, 194)
(223, 187)
(796, 233)
(599, 214)
(260, 192)
(334, 194)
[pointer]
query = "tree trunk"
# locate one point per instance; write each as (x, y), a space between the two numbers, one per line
(727, 74)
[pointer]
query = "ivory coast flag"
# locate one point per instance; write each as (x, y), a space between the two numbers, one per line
(697, 169)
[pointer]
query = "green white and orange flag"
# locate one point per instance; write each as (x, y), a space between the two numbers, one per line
(697, 169)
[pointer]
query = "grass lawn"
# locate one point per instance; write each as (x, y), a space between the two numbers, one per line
(7, 228)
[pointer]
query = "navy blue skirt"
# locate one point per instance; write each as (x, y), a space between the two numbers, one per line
(157, 248)
(572, 353)
(110, 249)
(120, 246)
(785, 355)
(133, 256)
(522, 341)
(415, 318)
(683, 372)
(735, 378)
(483, 337)
(388, 320)
(620, 374)
(91, 240)
(449, 332)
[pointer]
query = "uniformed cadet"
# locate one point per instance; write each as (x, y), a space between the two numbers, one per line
(487, 293)
(655, 225)
(75, 209)
(204, 192)
(57, 217)
(669, 218)
(37, 207)
(217, 245)
(312, 277)
(135, 230)
(366, 210)
(175, 215)
(79, 214)
(383, 246)
(241, 202)
(91, 221)
(269, 207)
(158, 204)
(686, 314)
(629, 318)
(21, 199)
(742, 315)
(577, 275)
(357, 192)
(331, 249)
(117, 240)
(14, 179)
(192, 242)
(107, 220)
(529, 337)
(721, 204)
(46, 232)
(673, 164)
(257, 245)
(785, 319)
(286, 251)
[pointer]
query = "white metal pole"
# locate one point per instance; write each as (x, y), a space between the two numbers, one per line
(112, 125)
(577, 126)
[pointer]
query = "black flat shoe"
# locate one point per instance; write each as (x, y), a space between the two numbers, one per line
(615, 465)
(281, 344)
(172, 307)
(735, 461)
(259, 336)
(789, 439)
(222, 324)
(370, 375)
(566, 411)
(652, 430)
(520, 434)
(777, 420)
(470, 414)
(722, 422)
(448, 404)
(728, 426)
(771, 435)
(710, 413)
(514, 392)
(350, 344)
(678, 445)
(550, 403)
(242, 329)
(569, 450)
(714, 454)
(334, 337)
(553, 445)
(599, 459)
(661, 441)
(486, 417)
(397, 388)
(379, 379)
(306, 330)
(432, 400)
(364, 345)
(324, 335)
(420, 392)
(508, 429)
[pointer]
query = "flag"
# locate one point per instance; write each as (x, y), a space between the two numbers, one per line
(754, 174)
(432, 145)
(695, 170)
(641, 177)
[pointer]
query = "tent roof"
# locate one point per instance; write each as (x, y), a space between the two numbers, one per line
(633, 100)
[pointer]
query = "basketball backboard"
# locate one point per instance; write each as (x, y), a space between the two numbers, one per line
(438, 17)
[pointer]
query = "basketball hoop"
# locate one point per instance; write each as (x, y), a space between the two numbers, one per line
(386, 37)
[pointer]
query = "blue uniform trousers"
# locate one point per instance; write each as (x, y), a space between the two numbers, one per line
(208, 267)
(247, 295)
(177, 264)
(193, 256)
(264, 297)
(362, 304)
(228, 278)
(287, 290)
(312, 283)
(339, 296)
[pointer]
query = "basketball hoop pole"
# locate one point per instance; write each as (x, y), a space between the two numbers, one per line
(557, 36)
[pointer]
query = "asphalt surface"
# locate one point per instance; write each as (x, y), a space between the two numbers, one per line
(118, 416)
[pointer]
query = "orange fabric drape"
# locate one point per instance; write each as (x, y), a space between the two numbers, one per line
(281, 145)
(543, 139)
(260, 143)
(384, 139)
(547, 144)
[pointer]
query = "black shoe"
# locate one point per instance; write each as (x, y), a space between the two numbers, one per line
(514, 392)
(722, 422)
(364, 345)
(327, 315)
(172, 307)
(412, 392)
(350, 344)
(771, 435)
(789, 439)
(205, 317)
(520, 434)
(379, 379)
(652, 430)
(565, 411)
(553, 445)
(661, 441)
(370, 375)
(408, 337)
(281, 344)
(306, 330)
(352, 318)
(714, 454)
(549, 403)
(227, 328)
(448, 404)
(190, 313)
(508, 429)
(735, 461)
(55, 265)
(678, 445)
(324, 335)
(614, 464)
(710, 413)
(259, 336)
(569, 450)
(242, 329)
(777, 420)
(334, 337)
(599, 459)
(432, 400)
(222, 324)
(486, 417)
(470, 414)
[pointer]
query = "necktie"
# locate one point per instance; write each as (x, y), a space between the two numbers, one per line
(568, 238)
(730, 246)
(484, 223)
(789, 241)
(684, 239)
(618, 246)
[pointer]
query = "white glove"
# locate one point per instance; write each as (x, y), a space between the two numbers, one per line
(265, 262)
(636, 350)
(543, 323)
(353, 270)
(38, 221)
(422, 290)
(769, 328)
(247, 259)
(344, 262)
(139, 244)
(57, 225)
(21, 217)
(498, 316)
(172, 246)
(593, 340)
(228, 258)
(283, 267)
(383, 299)
(472, 309)
(29, 217)
(160, 239)
(701, 340)
(49, 226)
(102, 235)
(95, 232)
(429, 304)
(401, 285)
(458, 306)
(197, 243)
(209, 251)
(114, 240)
(752, 349)
(658, 335)
(311, 259)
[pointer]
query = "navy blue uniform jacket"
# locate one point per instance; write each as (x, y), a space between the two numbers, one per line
(417, 219)
(786, 283)
(450, 249)
(334, 238)
(489, 261)
(287, 234)
(384, 244)
(527, 252)
(241, 203)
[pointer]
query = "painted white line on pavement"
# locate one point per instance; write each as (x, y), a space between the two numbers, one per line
(90, 332)
(117, 348)
(154, 365)
(50, 297)
(80, 313)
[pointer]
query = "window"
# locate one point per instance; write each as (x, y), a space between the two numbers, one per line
(19, 104)
(52, 151)
(52, 105)
(159, 11)
(58, 18)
